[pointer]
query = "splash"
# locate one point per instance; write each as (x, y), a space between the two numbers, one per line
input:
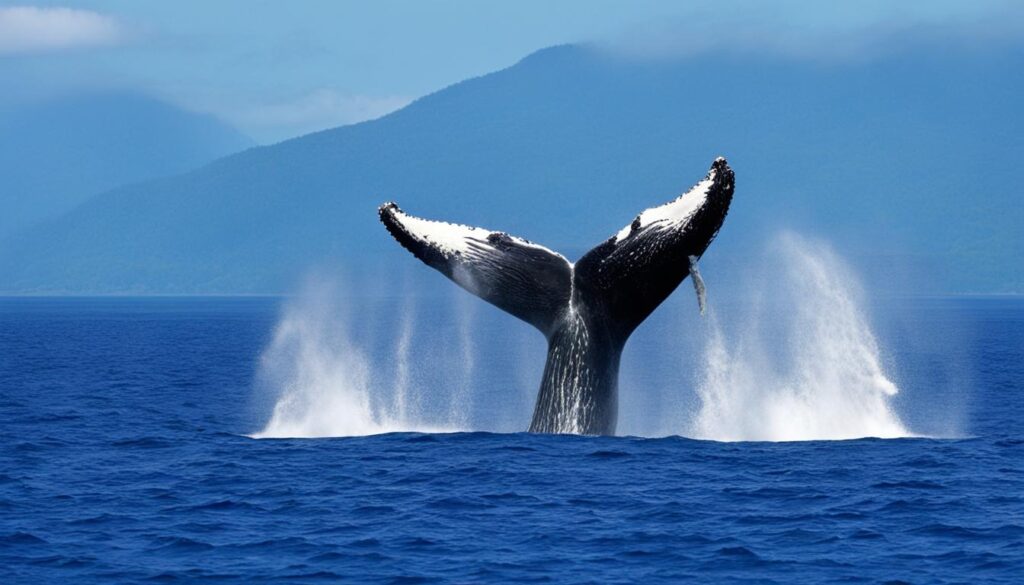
(804, 365)
(405, 401)
(465, 316)
(325, 384)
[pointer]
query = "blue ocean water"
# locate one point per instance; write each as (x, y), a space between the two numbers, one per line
(125, 457)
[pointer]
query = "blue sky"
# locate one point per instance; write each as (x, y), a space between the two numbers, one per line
(280, 69)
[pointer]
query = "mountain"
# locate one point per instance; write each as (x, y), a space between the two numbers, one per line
(909, 164)
(56, 154)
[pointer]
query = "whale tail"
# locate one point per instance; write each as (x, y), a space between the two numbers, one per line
(516, 275)
(622, 280)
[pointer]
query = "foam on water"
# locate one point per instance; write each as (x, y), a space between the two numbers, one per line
(801, 363)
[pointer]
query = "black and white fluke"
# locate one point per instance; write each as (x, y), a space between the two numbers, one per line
(586, 310)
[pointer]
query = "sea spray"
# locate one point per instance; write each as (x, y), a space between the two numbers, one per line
(803, 364)
(321, 377)
(404, 401)
(325, 384)
(465, 307)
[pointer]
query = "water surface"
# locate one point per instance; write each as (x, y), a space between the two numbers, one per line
(124, 457)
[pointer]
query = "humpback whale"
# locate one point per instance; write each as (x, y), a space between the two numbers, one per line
(585, 310)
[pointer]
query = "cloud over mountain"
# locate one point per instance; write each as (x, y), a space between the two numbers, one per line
(319, 109)
(30, 29)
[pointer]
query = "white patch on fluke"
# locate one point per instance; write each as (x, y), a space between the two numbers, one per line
(450, 238)
(675, 212)
(454, 238)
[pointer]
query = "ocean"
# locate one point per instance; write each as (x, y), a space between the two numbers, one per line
(189, 440)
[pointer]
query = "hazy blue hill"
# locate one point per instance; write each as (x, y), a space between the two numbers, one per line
(909, 162)
(56, 154)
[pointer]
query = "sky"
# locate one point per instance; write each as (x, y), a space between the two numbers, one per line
(276, 70)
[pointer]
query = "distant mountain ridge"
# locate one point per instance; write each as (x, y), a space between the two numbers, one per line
(56, 154)
(911, 160)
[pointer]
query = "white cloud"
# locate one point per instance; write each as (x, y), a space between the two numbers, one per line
(321, 109)
(29, 29)
(820, 30)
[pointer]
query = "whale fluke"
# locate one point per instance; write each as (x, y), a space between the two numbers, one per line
(516, 275)
(588, 310)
